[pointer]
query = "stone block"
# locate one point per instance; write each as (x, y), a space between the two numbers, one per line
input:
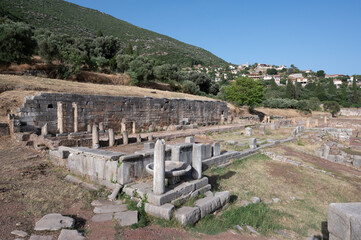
(252, 143)
(248, 131)
(201, 190)
(149, 145)
(67, 234)
(224, 197)
(208, 205)
(356, 227)
(164, 211)
(53, 222)
(38, 237)
(110, 209)
(127, 218)
(356, 161)
(216, 148)
(188, 215)
(341, 216)
(103, 217)
(189, 139)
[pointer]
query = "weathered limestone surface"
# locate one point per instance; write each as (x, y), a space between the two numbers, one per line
(92, 109)
(197, 156)
(248, 131)
(159, 167)
(188, 215)
(67, 234)
(164, 211)
(53, 222)
(127, 218)
(344, 220)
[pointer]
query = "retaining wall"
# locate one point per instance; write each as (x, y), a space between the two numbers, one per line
(111, 110)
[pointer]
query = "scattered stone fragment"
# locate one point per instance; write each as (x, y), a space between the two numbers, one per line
(67, 234)
(239, 228)
(115, 192)
(127, 218)
(252, 230)
(110, 209)
(256, 200)
(101, 202)
(245, 203)
(164, 211)
(19, 233)
(53, 222)
(276, 200)
(38, 237)
(233, 232)
(102, 217)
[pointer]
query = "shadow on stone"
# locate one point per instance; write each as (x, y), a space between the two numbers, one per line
(79, 222)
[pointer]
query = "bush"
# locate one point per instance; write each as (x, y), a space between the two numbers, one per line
(245, 91)
(280, 103)
(191, 87)
(16, 42)
(332, 107)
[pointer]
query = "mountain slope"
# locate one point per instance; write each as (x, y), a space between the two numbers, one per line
(64, 17)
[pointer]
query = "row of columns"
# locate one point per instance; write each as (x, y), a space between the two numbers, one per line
(60, 120)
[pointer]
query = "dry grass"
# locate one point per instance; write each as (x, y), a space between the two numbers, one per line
(23, 86)
(267, 179)
(289, 113)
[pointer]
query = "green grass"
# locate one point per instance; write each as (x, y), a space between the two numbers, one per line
(259, 216)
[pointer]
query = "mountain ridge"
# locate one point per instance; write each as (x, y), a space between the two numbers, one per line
(65, 17)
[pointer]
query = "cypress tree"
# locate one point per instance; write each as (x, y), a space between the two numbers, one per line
(290, 90)
(355, 92)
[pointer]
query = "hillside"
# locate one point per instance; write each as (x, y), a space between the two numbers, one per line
(64, 17)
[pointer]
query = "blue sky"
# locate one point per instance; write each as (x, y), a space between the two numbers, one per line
(315, 35)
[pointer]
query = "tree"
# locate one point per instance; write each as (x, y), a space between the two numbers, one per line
(190, 87)
(141, 71)
(320, 92)
(100, 33)
(272, 71)
(245, 91)
(16, 42)
(290, 90)
(320, 73)
(355, 97)
(331, 106)
(129, 49)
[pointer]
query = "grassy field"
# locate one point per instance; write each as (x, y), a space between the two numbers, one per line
(304, 194)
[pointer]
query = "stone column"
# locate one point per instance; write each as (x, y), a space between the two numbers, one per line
(60, 118)
(159, 167)
(101, 126)
(95, 137)
(316, 123)
(75, 107)
(125, 138)
(111, 137)
(139, 138)
(150, 137)
(308, 123)
(133, 127)
(248, 132)
(197, 161)
(325, 119)
(189, 139)
(252, 143)
(123, 126)
(262, 130)
(216, 147)
(44, 130)
(89, 128)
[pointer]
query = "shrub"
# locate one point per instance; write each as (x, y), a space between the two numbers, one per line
(332, 107)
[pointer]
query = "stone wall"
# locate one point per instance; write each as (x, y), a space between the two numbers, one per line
(355, 112)
(111, 110)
